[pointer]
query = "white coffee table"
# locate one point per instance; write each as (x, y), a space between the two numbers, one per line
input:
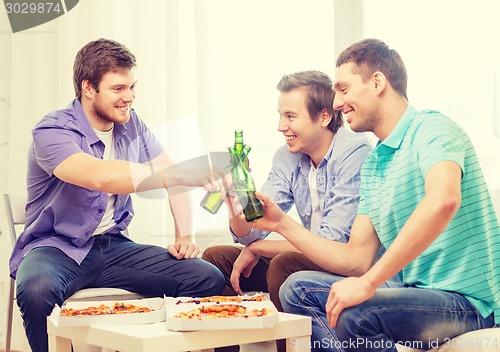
(155, 337)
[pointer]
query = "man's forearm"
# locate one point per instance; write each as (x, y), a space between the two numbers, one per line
(271, 248)
(336, 257)
(239, 227)
(180, 205)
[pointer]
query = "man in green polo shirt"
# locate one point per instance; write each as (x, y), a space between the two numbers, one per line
(424, 199)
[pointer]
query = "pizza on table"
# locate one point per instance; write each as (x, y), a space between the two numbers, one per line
(103, 309)
(223, 307)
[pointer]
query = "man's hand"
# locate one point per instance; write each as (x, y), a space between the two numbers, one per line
(245, 263)
(184, 250)
(273, 214)
(219, 180)
(347, 293)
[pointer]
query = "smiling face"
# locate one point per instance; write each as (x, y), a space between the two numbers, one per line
(355, 97)
(112, 101)
(302, 133)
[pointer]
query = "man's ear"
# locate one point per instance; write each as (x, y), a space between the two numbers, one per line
(325, 117)
(379, 81)
(88, 89)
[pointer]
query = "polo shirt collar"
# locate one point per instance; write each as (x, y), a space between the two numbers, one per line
(395, 138)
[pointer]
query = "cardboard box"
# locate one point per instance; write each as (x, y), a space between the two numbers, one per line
(177, 305)
(157, 315)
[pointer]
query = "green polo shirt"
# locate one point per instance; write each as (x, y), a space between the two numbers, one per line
(465, 258)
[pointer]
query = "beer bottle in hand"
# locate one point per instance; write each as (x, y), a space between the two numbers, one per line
(245, 188)
(212, 201)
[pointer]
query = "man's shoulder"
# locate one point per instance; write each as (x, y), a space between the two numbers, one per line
(430, 122)
(432, 116)
(283, 152)
(62, 118)
(347, 142)
(284, 159)
(350, 137)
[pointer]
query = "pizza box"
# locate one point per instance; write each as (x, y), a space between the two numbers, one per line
(177, 305)
(157, 315)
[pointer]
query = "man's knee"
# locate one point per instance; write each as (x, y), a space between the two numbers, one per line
(206, 280)
(347, 317)
(284, 259)
(217, 279)
(220, 254)
(210, 253)
(291, 289)
(284, 264)
(278, 272)
(40, 293)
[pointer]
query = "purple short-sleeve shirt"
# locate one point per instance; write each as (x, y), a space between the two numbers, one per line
(62, 215)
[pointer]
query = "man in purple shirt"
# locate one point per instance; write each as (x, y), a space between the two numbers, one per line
(84, 162)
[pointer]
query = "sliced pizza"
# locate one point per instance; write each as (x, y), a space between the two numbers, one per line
(103, 309)
(224, 299)
(222, 311)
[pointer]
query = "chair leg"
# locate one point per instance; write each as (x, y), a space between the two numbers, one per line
(8, 335)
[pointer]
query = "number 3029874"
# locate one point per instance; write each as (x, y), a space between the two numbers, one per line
(26, 8)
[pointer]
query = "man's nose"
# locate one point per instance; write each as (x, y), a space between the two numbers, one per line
(338, 103)
(128, 95)
(282, 124)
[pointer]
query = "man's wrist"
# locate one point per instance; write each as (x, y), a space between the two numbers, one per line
(252, 247)
(286, 225)
(252, 236)
(371, 281)
(164, 179)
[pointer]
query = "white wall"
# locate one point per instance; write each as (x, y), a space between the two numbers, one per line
(452, 54)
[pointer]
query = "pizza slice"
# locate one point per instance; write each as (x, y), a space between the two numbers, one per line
(103, 309)
(222, 311)
(225, 299)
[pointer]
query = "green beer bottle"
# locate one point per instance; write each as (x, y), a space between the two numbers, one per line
(241, 149)
(245, 188)
(212, 201)
(238, 141)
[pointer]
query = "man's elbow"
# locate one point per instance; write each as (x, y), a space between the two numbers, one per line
(449, 205)
(360, 269)
(103, 182)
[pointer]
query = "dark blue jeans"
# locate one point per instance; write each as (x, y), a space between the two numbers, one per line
(47, 277)
(414, 317)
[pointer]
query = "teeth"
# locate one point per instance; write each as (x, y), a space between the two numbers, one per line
(289, 138)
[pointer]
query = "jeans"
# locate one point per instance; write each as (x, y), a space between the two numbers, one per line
(47, 277)
(413, 317)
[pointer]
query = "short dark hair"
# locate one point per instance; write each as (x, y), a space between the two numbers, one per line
(320, 94)
(371, 55)
(96, 59)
